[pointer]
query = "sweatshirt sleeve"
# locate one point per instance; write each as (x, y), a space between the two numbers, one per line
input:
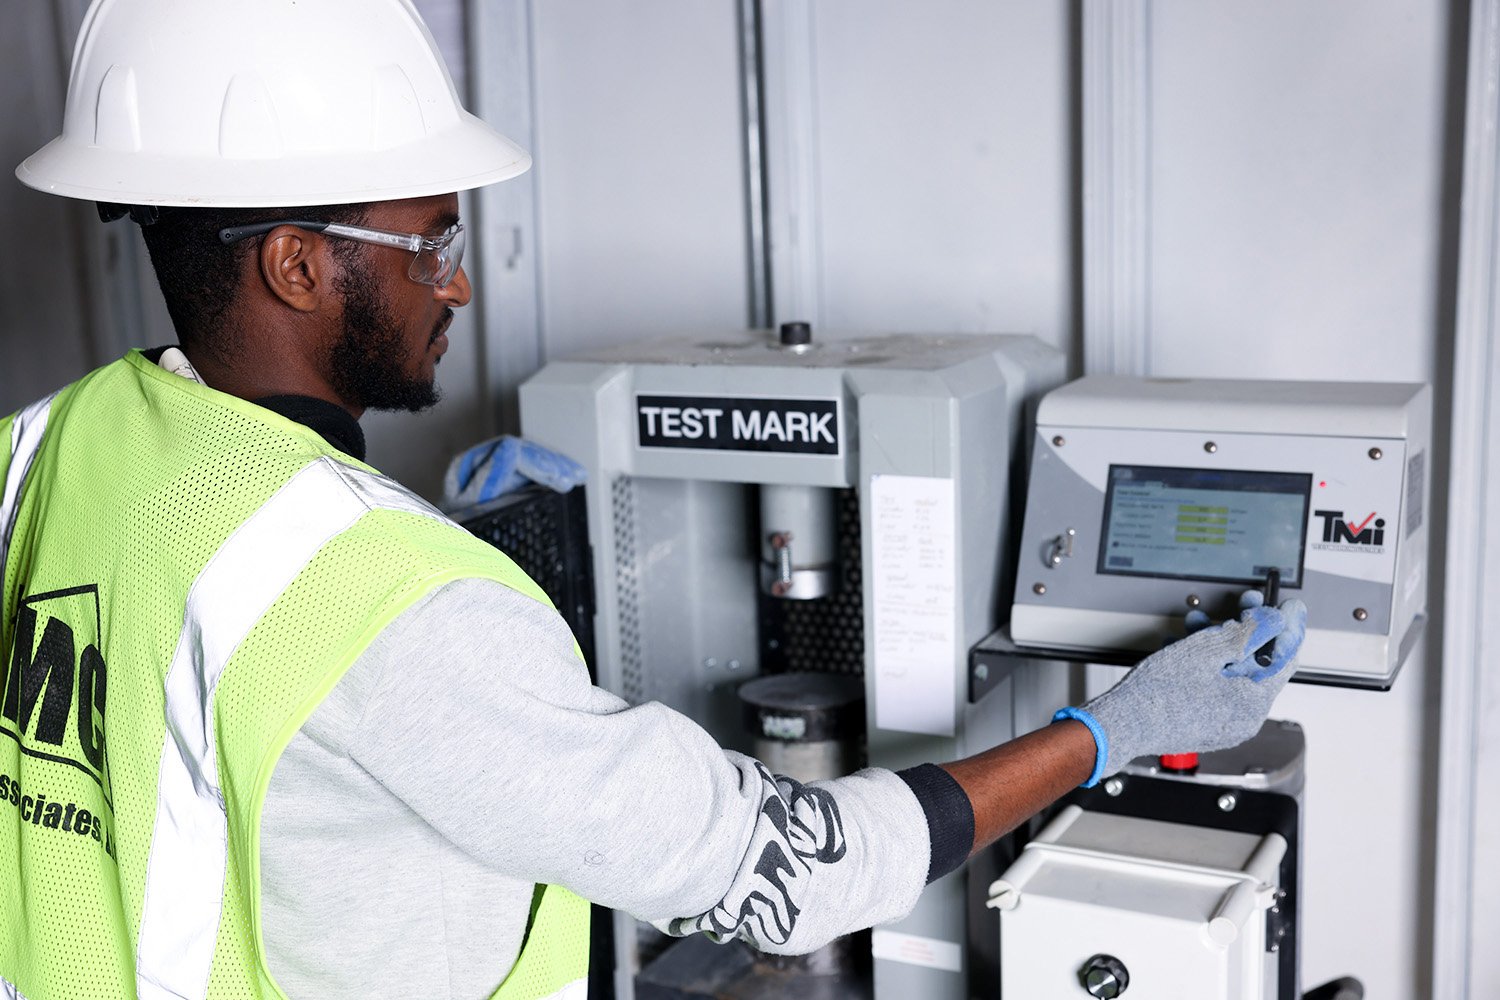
(478, 715)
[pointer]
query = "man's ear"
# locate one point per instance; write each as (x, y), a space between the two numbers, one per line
(295, 266)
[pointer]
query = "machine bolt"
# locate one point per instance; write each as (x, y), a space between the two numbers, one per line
(711, 662)
(1039, 588)
(1193, 600)
(1104, 976)
(1360, 614)
(796, 334)
(1376, 454)
(1058, 441)
(734, 664)
(981, 672)
(1228, 801)
(1113, 787)
(1210, 447)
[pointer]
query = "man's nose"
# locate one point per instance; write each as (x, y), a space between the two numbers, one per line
(457, 293)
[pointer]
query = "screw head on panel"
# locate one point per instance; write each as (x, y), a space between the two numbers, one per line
(1039, 589)
(1376, 454)
(1360, 614)
(1193, 600)
(1228, 801)
(1210, 447)
(1058, 441)
(1113, 787)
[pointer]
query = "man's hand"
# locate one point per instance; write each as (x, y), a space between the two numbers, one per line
(1203, 692)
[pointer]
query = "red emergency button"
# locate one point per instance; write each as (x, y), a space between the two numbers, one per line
(1180, 762)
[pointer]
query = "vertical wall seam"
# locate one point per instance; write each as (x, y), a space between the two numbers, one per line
(1116, 97)
(502, 83)
(1472, 449)
(752, 102)
(789, 111)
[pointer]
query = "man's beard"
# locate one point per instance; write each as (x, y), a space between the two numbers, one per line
(368, 362)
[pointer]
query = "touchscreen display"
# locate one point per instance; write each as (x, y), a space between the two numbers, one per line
(1204, 524)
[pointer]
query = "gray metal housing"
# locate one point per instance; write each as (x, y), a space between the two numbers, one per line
(676, 554)
(1366, 448)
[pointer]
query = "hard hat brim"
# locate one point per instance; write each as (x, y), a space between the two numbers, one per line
(467, 155)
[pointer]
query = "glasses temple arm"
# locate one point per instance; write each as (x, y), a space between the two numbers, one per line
(234, 234)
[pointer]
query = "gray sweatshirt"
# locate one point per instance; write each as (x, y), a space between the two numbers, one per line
(465, 756)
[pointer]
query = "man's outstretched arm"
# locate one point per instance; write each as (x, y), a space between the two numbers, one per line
(1204, 692)
(1014, 781)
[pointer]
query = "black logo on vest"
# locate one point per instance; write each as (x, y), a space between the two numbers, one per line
(54, 687)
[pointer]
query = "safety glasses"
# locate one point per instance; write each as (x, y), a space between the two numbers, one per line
(437, 258)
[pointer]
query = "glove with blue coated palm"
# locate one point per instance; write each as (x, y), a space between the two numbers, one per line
(1202, 692)
(503, 465)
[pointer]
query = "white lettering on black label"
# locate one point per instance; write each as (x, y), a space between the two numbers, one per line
(802, 426)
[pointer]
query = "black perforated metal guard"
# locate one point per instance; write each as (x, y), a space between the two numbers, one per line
(546, 533)
(826, 634)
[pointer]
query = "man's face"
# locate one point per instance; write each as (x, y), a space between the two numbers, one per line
(393, 331)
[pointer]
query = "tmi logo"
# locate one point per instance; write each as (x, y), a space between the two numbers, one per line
(1336, 530)
(54, 683)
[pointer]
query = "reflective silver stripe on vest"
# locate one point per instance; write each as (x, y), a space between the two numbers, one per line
(8, 990)
(25, 441)
(185, 873)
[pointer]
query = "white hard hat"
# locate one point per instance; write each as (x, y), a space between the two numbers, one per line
(259, 103)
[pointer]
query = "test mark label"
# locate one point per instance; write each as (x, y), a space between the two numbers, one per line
(720, 423)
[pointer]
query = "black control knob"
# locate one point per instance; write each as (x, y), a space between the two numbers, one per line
(1104, 976)
(796, 334)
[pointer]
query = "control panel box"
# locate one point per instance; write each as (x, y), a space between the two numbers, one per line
(1099, 905)
(1150, 497)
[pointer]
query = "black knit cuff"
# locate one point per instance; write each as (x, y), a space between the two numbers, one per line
(950, 816)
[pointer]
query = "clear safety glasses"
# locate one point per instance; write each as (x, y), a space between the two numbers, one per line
(437, 258)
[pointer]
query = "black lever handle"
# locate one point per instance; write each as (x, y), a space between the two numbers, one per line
(1272, 594)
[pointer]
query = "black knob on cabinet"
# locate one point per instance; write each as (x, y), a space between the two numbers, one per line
(796, 334)
(1104, 976)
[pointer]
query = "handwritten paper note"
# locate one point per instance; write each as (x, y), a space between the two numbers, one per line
(915, 593)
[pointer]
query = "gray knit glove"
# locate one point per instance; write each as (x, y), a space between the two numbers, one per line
(1203, 692)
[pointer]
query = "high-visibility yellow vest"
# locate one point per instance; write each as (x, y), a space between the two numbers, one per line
(186, 575)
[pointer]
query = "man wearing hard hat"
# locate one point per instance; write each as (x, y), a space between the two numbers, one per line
(276, 727)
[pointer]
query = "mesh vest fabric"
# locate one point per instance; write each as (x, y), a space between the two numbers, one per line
(154, 509)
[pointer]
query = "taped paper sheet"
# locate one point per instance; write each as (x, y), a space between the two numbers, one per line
(914, 579)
